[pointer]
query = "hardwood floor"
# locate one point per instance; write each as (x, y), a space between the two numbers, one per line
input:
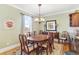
(58, 46)
(66, 47)
(11, 51)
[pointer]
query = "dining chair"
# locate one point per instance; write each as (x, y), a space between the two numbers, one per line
(65, 37)
(34, 33)
(51, 42)
(71, 50)
(44, 46)
(45, 33)
(56, 36)
(25, 46)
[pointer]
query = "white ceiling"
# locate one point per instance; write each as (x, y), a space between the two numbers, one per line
(33, 9)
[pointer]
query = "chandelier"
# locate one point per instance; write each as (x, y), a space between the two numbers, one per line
(39, 19)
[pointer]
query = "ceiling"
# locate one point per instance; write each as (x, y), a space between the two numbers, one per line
(33, 9)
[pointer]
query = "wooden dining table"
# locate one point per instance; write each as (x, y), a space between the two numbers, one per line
(37, 39)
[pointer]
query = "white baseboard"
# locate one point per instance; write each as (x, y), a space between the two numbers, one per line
(8, 48)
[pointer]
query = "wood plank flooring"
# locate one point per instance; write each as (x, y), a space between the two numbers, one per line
(13, 51)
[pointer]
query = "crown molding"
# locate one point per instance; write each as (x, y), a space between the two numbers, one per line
(62, 12)
(20, 9)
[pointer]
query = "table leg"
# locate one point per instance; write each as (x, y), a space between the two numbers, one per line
(58, 40)
(37, 50)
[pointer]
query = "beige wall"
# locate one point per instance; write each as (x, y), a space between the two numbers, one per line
(62, 19)
(9, 36)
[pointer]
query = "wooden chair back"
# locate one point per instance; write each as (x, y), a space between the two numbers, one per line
(51, 36)
(23, 43)
(66, 35)
(45, 33)
(56, 35)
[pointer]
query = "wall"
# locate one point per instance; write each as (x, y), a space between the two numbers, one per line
(9, 36)
(37, 27)
(63, 22)
(62, 19)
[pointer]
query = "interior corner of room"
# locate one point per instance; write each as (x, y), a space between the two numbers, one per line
(22, 17)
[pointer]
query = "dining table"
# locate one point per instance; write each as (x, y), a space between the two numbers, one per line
(37, 39)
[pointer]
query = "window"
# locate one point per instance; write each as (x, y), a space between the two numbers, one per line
(27, 23)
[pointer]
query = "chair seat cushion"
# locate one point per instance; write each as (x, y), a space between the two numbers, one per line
(44, 45)
(62, 38)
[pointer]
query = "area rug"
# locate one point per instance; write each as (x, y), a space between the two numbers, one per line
(58, 50)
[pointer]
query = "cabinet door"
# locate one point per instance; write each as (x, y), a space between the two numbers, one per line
(74, 20)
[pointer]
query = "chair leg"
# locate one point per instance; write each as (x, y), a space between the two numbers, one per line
(58, 40)
(50, 48)
(21, 52)
(53, 46)
(62, 41)
(47, 51)
(41, 52)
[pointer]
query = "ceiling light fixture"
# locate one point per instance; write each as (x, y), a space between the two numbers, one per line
(39, 18)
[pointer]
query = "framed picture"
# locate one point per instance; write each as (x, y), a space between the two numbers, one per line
(9, 24)
(51, 25)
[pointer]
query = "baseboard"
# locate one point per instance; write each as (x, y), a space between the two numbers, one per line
(9, 48)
